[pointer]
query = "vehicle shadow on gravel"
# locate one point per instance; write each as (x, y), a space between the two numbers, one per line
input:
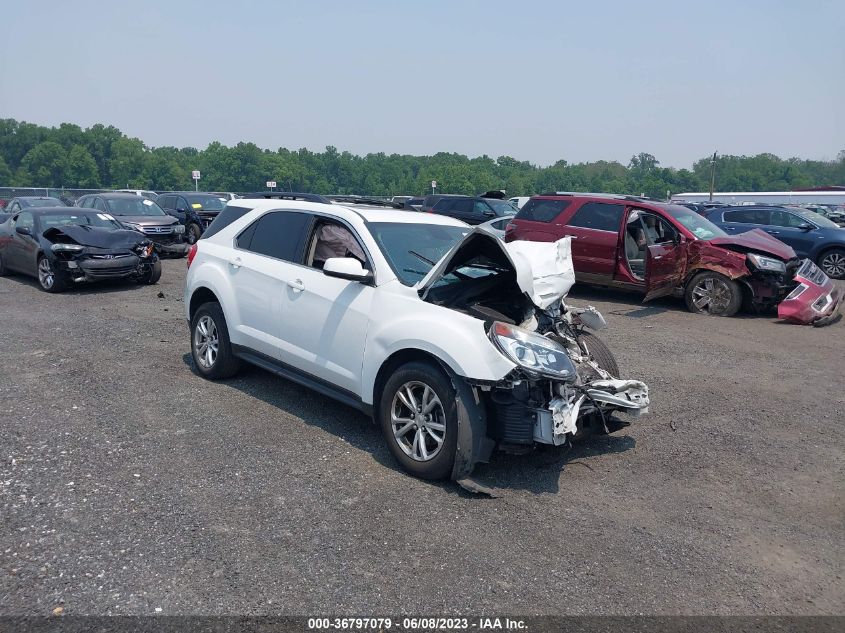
(538, 471)
(542, 470)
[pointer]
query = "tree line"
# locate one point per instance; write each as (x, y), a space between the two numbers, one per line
(104, 157)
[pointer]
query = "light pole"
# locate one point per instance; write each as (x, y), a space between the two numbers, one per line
(712, 175)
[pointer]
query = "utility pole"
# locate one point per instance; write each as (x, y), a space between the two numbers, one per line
(712, 175)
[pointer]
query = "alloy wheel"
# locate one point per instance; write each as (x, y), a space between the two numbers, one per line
(833, 264)
(712, 296)
(46, 277)
(418, 421)
(206, 342)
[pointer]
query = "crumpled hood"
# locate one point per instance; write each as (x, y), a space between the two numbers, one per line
(98, 237)
(756, 240)
(544, 270)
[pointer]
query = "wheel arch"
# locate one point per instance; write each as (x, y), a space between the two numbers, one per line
(394, 362)
(199, 296)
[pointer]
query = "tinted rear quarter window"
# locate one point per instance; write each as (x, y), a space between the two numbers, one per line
(225, 218)
(280, 234)
(601, 216)
(542, 210)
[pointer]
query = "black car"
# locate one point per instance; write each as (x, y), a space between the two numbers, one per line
(141, 214)
(194, 210)
(25, 202)
(64, 245)
(470, 209)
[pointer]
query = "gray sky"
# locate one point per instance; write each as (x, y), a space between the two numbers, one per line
(536, 80)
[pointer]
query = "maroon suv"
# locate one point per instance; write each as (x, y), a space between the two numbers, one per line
(660, 249)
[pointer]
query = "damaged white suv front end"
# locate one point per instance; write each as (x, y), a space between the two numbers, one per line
(559, 388)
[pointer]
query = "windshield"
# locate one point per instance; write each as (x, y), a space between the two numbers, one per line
(501, 207)
(699, 226)
(44, 202)
(136, 205)
(413, 249)
(816, 218)
(206, 203)
(103, 220)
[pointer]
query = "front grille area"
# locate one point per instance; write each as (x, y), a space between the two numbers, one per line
(157, 230)
(812, 273)
(109, 273)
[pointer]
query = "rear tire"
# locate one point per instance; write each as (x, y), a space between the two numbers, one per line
(210, 345)
(2, 267)
(418, 414)
(193, 233)
(601, 354)
(832, 262)
(711, 293)
(49, 278)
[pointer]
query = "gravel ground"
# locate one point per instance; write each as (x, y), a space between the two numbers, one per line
(128, 484)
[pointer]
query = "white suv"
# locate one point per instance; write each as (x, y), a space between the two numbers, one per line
(452, 340)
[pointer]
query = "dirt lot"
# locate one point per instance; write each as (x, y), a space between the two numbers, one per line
(128, 484)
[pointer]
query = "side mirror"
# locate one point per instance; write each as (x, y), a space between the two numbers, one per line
(346, 268)
(23, 230)
(806, 227)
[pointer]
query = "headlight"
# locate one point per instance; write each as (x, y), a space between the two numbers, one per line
(538, 354)
(767, 263)
(179, 228)
(132, 227)
(67, 248)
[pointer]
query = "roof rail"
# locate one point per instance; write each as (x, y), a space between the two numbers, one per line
(611, 196)
(345, 199)
(287, 195)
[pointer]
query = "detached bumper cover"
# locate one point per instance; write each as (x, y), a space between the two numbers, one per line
(814, 301)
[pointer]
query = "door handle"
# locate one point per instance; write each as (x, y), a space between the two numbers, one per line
(236, 262)
(775, 232)
(297, 284)
(657, 257)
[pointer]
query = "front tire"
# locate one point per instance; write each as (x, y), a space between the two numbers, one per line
(152, 273)
(419, 420)
(601, 354)
(49, 278)
(832, 262)
(712, 293)
(210, 345)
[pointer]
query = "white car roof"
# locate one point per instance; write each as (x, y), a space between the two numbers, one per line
(352, 213)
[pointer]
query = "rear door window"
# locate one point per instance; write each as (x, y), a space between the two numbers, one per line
(542, 210)
(600, 216)
(746, 216)
(280, 234)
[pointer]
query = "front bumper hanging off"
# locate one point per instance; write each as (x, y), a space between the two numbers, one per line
(814, 301)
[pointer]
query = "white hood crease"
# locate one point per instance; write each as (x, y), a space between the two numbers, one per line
(544, 270)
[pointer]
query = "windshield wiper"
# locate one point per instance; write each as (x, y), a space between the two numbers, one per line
(421, 257)
(416, 272)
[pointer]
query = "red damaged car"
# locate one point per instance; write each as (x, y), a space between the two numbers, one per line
(660, 249)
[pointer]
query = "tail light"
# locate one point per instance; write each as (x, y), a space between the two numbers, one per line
(191, 254)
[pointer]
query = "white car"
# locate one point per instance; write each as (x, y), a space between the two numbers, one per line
(452, 340)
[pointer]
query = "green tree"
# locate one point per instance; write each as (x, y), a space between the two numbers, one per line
(81, 170)
(43, 166)
(5, 173)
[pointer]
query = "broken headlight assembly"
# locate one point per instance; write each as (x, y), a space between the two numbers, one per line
(534, 353)
(761, 262)
(145, 250)
(178, 229)
(67, 248)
